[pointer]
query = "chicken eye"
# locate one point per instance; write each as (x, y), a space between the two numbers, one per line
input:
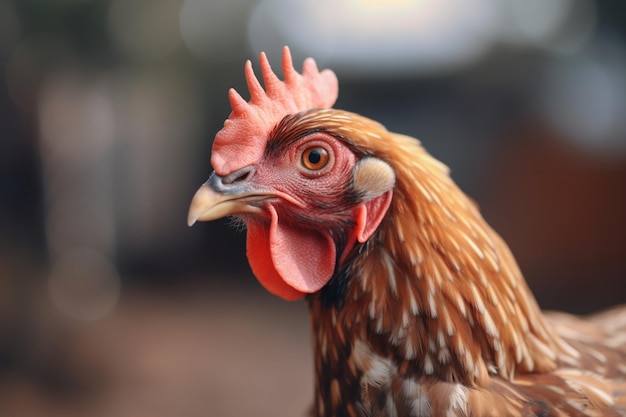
(315, 158)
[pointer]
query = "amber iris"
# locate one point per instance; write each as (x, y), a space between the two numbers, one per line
(315, 158)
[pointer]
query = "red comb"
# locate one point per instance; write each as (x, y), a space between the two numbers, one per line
(242, 140)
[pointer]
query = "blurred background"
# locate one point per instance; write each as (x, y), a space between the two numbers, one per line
(111, 306)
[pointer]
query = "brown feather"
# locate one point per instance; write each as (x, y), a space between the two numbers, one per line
(437, 319)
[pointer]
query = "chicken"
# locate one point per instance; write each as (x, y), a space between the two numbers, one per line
(417, 306)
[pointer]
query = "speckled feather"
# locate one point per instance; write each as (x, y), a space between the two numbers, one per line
(436, 319)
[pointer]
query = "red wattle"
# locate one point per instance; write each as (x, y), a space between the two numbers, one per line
(260, 259)
(290, 261)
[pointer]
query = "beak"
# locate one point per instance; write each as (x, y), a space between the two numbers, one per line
(223, 196)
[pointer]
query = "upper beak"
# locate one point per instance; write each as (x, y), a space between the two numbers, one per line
(223, 196)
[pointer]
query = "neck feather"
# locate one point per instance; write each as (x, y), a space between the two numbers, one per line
(436, 290)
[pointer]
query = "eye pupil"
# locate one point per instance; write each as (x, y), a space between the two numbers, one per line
(315, 157)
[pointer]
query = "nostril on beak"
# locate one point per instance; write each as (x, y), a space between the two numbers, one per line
(238, 176)
(227, 183)
(241, 177)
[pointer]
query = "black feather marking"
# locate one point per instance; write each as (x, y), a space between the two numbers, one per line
(541, 409)
(334, 292)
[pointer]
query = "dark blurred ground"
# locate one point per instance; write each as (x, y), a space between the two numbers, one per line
(197, 351)
(111, 306)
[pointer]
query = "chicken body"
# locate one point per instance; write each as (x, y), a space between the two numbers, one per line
(417, 306)
(435, 318)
